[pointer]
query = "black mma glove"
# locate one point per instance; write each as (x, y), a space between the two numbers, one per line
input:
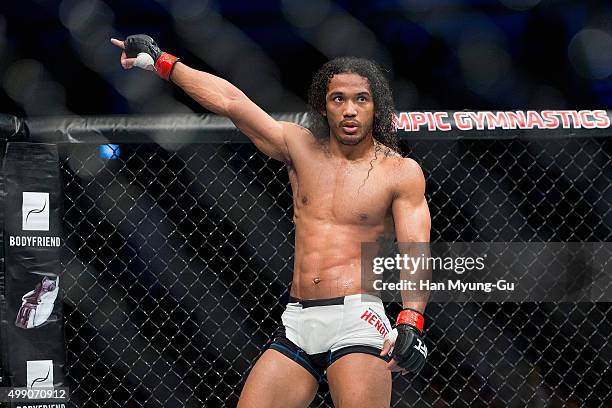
(149, 56)
(409, 350)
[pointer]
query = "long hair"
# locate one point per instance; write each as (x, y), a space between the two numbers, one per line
(383, 127)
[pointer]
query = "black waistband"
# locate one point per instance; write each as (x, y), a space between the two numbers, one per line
(317, 302)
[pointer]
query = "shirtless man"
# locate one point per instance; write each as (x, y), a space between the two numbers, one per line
(349, 186)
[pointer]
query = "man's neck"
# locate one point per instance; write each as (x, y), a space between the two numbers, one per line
(356, 152)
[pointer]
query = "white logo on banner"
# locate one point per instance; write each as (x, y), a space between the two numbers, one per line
(35, 211)
(39, 373)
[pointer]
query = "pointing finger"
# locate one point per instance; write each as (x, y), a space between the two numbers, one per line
(118, 43)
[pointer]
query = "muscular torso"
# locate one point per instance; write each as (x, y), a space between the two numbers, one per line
(337, 205)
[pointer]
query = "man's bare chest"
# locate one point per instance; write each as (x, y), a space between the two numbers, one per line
(347, 192)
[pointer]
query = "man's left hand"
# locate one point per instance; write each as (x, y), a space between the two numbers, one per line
(405, 344)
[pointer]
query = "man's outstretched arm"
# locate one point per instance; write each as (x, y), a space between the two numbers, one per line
(213, 93)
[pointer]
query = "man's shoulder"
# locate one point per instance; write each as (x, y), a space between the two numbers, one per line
(402, 166)
(293, 129)
(297, 135)
(410, 167)
(405, 174)
(301, 142)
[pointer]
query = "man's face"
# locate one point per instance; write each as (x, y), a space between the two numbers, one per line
(349, 108)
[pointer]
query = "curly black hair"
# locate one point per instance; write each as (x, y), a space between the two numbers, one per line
(383, 128)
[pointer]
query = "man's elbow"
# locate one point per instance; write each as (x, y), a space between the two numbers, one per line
(233, 104)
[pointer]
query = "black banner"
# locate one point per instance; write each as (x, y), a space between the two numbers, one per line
(32, 320)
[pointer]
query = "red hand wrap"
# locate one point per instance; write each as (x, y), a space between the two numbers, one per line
(164, 65)
(412, 318)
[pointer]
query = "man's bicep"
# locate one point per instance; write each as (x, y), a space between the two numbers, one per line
(412, 220)
(410, 210)
(268, 134)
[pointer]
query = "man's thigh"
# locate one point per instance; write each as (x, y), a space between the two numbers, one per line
(359, 380)
(277, 381)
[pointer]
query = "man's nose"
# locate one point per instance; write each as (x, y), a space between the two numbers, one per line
(350, 109)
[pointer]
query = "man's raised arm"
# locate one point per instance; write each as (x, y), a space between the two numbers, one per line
(213, 93)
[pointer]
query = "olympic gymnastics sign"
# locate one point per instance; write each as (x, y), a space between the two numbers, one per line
(444, 121)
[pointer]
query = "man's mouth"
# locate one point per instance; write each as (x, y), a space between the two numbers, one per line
(349, 128)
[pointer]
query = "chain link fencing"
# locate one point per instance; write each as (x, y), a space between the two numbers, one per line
(178, 258)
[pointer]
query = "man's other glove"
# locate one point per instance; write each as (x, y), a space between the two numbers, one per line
(149, 56)
(409, 350)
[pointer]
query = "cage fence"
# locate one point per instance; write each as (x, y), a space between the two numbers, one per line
(178, 259)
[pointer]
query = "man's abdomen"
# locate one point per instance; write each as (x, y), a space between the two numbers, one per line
(328, 259)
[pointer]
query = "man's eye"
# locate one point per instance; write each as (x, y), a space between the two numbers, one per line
(362, 99)
(337, 99)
